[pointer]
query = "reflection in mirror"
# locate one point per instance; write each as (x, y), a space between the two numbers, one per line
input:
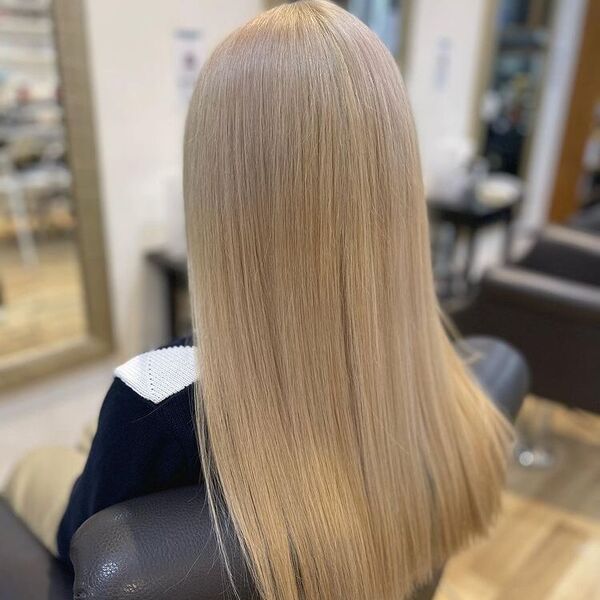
(41, 300)
(388, 18)
(510, 104)
(385, 17)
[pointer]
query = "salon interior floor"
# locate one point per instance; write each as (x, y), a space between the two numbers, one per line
(546, 543)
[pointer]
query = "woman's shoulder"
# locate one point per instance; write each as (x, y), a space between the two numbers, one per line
(146, 436)
(160, 373)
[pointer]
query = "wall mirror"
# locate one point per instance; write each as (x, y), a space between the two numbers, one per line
(54, 307)
(522, 32)
(388, 18)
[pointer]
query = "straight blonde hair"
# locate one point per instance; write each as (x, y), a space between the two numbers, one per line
(337, 425)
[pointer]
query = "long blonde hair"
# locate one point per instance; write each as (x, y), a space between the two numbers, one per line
(337, 425)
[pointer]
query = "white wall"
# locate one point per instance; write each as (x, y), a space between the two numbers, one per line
(139, 128)
(444, 50)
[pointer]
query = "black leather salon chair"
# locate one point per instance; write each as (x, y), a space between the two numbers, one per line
(547, 305)
(162, 547)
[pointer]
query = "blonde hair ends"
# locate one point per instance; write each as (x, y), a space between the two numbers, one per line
(348, 443)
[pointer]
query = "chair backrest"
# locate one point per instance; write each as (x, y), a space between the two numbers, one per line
(566, 254)
(163, 546)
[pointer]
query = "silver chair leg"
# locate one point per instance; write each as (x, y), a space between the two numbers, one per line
(533, 449)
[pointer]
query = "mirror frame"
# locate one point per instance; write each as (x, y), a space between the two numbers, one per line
(74, 79)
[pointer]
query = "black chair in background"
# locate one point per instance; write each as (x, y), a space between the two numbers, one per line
(547, 305)
(587, 219)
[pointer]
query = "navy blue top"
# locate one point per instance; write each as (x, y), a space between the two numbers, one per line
(146, 437)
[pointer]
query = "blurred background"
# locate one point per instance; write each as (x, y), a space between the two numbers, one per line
(506, 98)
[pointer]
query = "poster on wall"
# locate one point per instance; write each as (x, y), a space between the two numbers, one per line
(189, 56)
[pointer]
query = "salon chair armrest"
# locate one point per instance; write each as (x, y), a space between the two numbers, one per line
(162, 546)
(156, 547)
